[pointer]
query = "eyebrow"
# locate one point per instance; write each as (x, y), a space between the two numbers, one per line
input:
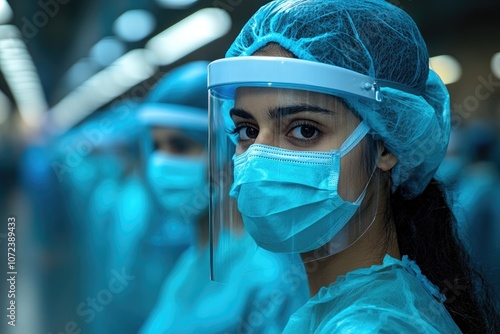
(282, 111)
(240, 113)
(295, 109)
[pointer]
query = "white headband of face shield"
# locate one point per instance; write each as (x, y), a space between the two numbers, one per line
(173, 115)
(226, 74)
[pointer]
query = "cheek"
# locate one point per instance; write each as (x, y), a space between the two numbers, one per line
(197, 151)
(329, 142)
(240, 149)
(352, 178)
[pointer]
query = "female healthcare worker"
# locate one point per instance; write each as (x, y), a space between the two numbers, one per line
(339, 126)
(189, 302)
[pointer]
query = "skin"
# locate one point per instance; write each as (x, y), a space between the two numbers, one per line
(175, 142)
(322, 125)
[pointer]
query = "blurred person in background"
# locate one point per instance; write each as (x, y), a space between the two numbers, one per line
(120, 217)
(176, 168)
(51, 248)
(108, 210)
(477, 198)
(478, 144)
(72, 182)
(470, 172)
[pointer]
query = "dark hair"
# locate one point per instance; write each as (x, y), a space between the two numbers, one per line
(427, 232)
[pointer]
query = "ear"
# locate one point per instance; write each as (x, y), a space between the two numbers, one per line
(387, 160)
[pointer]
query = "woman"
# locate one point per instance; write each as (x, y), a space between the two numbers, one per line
(339, 126)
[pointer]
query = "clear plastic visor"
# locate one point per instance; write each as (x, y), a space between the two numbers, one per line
(291, 166)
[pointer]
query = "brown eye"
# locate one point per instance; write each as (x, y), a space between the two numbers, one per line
(304, 132)
(246, 133)
(252, 133)
(307, 131)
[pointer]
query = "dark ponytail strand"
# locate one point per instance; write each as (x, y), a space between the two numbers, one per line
(427, 232)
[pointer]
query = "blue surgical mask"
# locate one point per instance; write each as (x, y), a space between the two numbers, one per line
(288, 199)
(179, 183)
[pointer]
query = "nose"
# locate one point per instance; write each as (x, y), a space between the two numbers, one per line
(266, 137)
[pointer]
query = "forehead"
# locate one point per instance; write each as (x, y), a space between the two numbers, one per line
(264, 97)
(164, 132)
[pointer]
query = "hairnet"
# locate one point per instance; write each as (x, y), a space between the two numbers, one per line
(374, 38)
(185, 85)
(181, 93)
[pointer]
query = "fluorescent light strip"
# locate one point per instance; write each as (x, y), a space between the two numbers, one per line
(126, 72)
(21, 76)
(495, 64)
(176, 4)
(193, 32)
(5, 12)
(138, 65)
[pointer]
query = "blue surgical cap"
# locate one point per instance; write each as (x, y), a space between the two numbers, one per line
(180, 100)
(185, 85)
(374, 38)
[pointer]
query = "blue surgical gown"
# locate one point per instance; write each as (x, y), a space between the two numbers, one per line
(264, 290)
(390, 298)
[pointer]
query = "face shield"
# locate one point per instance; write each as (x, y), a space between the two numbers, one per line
(175, 163)
(290, 163)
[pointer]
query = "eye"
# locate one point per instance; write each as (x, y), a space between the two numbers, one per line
(182, 145)
(304, 132)
(246, 132)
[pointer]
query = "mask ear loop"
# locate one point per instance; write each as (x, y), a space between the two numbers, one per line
(363, 193)
(337, 246)
(354, 139)
(332, 246)
(356, 136)
(360, 200)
